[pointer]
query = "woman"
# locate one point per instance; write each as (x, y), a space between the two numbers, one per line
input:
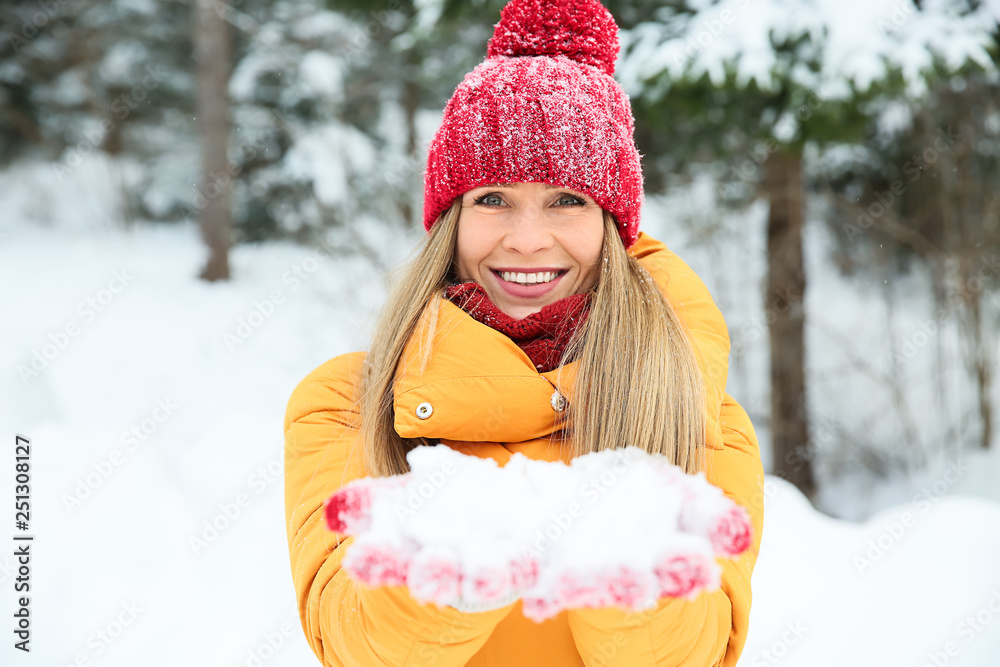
(537, 319)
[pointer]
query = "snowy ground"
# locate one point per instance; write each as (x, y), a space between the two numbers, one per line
(149, 423)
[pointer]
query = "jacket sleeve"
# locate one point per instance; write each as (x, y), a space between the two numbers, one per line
(346, 623)
(710, 630)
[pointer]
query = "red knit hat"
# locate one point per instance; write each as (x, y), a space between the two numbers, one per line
(542, 108)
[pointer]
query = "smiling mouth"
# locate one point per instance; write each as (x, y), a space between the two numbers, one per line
(527, 277)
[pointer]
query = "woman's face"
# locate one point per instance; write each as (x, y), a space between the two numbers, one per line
(529, 244)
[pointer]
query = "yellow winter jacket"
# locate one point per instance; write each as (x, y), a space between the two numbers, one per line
(488, 400)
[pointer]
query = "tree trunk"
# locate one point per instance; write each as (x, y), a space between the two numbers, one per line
(981, 362)
(212, 54)
(984, 382)
(785, 301)
(411, 99)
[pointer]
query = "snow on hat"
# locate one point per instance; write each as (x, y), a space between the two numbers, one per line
(543, 107)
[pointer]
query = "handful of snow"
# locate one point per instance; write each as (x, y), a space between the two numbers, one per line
(614, 528)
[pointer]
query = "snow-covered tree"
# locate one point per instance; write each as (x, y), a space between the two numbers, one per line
(760, 84)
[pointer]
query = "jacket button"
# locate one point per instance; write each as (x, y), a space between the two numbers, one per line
(424, 410)
(558, 401)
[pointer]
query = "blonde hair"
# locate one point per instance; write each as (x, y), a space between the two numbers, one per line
(637, 379)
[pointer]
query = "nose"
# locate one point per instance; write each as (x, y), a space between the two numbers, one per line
(527, 232)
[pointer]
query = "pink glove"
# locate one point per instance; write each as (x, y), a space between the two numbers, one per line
(470, 540)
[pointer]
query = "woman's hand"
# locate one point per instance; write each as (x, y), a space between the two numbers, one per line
(486, 536)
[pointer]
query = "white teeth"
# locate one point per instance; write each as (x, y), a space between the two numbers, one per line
(529, 278)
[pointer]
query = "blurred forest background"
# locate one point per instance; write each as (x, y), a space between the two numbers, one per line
(307, 120)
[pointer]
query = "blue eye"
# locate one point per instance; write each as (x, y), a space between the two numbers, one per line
(490, 199)
(570, 200)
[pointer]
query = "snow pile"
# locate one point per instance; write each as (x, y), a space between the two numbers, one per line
(462, 531)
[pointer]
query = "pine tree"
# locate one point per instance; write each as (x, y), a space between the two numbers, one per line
(711, 83)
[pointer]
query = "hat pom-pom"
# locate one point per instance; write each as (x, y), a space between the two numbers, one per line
(582, 30)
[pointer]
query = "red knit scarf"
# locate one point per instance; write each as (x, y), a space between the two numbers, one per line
(543, 335)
